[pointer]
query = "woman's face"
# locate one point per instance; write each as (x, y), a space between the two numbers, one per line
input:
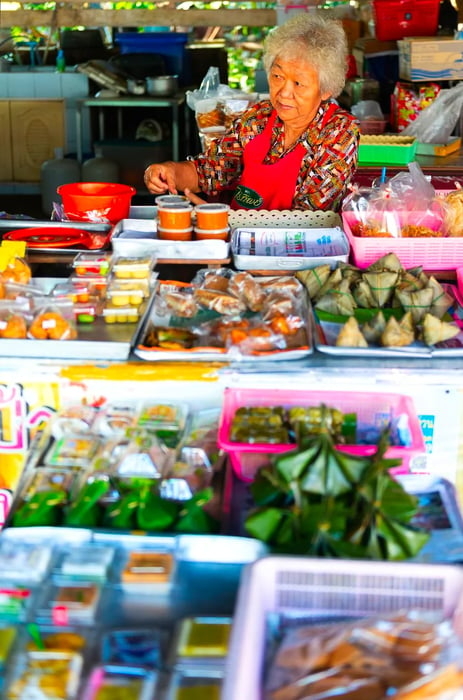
(295, 92)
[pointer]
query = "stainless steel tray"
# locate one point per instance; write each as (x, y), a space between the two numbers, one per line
(325, 334)
(96, 341)
(212, 354)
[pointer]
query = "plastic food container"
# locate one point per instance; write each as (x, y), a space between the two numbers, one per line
(70, 603)
(218, 234)
(326, 588)
(175, 234)
(96, 201)
(91, 264)
(46, 669)
(202, 641)
(174, 216)
(371, 408)
(439, 253)
(120, 682)
(121, 314)
(139, 646)
(212, 216)
(134, 267)
(169, 199)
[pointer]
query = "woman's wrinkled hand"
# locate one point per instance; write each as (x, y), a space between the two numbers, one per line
(160, 178)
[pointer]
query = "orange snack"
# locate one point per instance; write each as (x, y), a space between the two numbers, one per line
(17, 270)
(51, 325)
(147, 567)
(13, 327)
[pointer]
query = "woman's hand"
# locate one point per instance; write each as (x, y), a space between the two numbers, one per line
(161, 178)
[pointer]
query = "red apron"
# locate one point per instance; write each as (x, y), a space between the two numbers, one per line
(269, 186)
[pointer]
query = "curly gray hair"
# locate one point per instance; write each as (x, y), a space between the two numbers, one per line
(318, 40)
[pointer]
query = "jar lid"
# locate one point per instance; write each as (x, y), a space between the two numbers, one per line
(171, 199)
(175, 207)
(213, 207)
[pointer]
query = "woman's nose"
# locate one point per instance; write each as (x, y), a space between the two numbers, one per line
(287, 88)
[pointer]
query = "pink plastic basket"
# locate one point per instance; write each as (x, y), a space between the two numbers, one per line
(373, 408)
(444, 253)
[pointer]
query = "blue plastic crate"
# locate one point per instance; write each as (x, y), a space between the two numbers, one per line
(169, 45)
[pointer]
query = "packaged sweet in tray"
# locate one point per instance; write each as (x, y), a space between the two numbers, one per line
(202, 640)
(24, 561)
(8, 638)
(67, 603)
(89, 561)
(47, 675)
(147, 569)
(72, 450)
(115, 419)
(142, 647)
(195, 684)
(120, 682)
(72, 419)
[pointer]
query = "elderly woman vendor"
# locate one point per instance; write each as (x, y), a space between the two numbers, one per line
(297, 150)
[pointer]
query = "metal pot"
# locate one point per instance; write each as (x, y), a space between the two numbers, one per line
(136, 87)
(162, 85)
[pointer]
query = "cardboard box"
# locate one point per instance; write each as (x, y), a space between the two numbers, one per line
(425, 59)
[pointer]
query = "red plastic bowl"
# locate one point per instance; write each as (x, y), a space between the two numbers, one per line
(96, 201)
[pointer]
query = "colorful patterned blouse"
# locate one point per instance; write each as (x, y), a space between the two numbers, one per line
(326, 170)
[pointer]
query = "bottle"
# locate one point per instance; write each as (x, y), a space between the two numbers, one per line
(60, 61)
(55, 172)
(100, 169)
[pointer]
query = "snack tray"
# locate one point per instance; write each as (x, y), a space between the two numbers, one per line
(325, 588)
(325, 334)
(231, 355)
(95, 341)
(7, 225)
(306, 247)
(386, 149)
(130, 236)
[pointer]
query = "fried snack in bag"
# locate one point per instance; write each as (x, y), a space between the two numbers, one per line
(388, 656)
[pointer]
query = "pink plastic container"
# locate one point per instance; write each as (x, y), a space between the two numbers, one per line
(440, 253)
(373, 408)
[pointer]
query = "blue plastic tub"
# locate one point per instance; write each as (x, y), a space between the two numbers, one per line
(169, 45)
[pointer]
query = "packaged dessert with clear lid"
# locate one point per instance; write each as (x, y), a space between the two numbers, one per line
(69, 602)
(91, 285)
(123, 296)
(120, 314)
(44, 496)
(202, 641)
(167, 420)
(90, 561)
(195, 684)
(26, 562)
(48, 675)
(115, 419)
(73, 450)
(133, 267)
(140, 646)
(114, 681)
(72, 419)
(147, 570)
(92, 263)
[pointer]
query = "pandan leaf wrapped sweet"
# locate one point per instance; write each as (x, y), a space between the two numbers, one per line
(394, 335)
(338, 300)
(382, 285)
(418, 303)
(334, 279)
(407, 323)
(373, 329)
(434, 330)
(350, 272)
(409, 283)
(363, 295)
(389, 262)
(441, 301)
(350, 335)
(314, 278)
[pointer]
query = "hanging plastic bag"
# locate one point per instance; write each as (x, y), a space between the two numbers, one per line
(437, 121)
